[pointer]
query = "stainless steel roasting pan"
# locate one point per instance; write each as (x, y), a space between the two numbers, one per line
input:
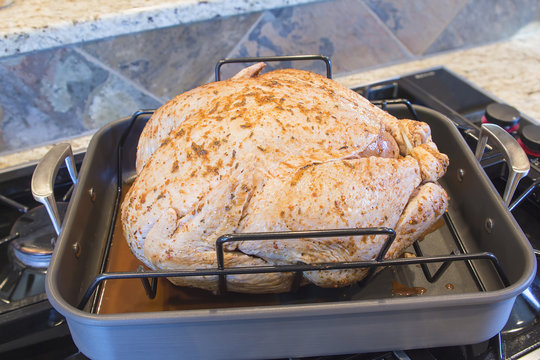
(469, 303)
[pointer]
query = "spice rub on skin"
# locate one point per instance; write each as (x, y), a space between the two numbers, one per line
(285, 150)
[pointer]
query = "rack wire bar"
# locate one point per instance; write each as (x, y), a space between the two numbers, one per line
(384, 105)
(461, 249)
(283, 235)
(274, 59)
(439, 272)
(291, 268)
(149, 287)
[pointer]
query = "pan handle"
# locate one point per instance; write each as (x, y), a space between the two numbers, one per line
(45, 175)
(517, 160)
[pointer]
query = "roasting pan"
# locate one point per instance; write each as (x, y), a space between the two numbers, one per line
(469, 302)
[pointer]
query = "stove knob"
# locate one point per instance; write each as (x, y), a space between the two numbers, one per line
(529, 139)
(503, 115)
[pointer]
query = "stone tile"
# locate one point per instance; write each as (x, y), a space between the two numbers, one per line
(52, 95)
(344, 30)
(416, 23)
(169, 61)
(115, 99)
(484, 21)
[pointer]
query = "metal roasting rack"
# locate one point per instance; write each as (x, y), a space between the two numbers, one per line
(149, 278)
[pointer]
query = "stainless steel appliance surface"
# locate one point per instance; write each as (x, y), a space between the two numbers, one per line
(429, 88)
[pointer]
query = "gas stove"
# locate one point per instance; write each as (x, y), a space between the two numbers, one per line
(31, 326)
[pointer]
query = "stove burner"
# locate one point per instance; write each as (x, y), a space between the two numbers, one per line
(35, 244)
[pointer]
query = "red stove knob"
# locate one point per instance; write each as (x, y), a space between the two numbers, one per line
(529, 139)
(503, 115)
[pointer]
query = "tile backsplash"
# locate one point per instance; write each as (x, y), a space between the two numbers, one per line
(66, 92)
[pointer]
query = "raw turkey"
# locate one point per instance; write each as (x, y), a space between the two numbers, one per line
(280, 151)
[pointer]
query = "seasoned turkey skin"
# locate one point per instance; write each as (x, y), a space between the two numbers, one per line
(285, 150)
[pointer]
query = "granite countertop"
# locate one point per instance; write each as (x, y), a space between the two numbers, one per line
(509, 70)
(30, 25)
